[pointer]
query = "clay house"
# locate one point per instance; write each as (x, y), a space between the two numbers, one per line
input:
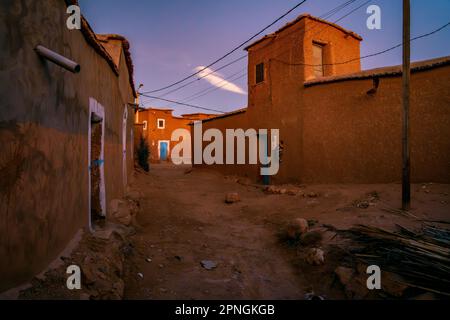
(157, 126)
(338, 123)
(66, 118)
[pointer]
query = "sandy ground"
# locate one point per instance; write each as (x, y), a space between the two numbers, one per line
(184, 220)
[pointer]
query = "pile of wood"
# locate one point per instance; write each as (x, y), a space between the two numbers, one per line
(421, 258)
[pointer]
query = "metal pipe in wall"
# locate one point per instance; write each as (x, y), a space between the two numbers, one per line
(58, 59)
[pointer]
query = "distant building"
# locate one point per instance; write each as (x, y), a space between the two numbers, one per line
(157, 126)
(66, 138)
(338, 123)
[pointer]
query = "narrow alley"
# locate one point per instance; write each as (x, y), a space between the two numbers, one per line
(185, 220)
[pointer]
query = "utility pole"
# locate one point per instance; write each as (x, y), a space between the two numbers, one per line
(406, 167)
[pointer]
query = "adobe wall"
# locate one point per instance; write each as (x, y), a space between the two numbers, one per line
(44, 119)
(350, 136)
(276, 102)
(153, 134)
(236, 121)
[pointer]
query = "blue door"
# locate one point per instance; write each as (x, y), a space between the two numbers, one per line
(163, 151)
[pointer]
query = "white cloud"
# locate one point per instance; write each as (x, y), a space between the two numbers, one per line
(217, 80)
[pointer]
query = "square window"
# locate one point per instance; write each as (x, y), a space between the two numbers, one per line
(259, 72)
(161, 123)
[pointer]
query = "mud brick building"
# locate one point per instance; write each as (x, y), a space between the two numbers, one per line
(339, 124)
(157, 126)
(66, 138)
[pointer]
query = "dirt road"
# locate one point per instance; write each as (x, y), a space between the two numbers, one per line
(184, 220)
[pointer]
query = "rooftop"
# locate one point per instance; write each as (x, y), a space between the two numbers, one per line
(95, 41)
(391, 71)
(228, 114)
(298, 19)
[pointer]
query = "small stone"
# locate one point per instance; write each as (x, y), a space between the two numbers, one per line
(161, 266)
(363, 205)
(208, 264)
(270, 189)
(148, 260)
(315, 256)
(296, 228)
(120, 211)
(140, 275)
(232, 197)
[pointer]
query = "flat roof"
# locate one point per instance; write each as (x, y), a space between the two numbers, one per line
(298, 19)
(391, 71)
(225, 115)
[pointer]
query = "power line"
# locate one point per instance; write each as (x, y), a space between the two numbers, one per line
(182, 103)
(203, 76)
(352, 11)
(230, 52)
(312, 65)
(369, 55)
(324, 16)
(216, 84)
(210, 90)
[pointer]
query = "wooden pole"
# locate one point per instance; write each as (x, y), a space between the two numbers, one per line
(406, 183)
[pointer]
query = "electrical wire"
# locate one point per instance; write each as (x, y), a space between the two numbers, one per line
(326, 15)
(230, 52)
(182, 103)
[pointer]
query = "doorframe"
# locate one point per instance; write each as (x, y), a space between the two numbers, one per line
(124, 146)
(99, 111)
(159, 148)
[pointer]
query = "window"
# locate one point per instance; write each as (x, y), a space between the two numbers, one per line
(318, 60)
(161, 123)
(259, 72)
(145, 124)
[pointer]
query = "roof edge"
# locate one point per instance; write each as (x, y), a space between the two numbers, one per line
(391, 71)
(92, 40)
(298, 19)
(225, 115)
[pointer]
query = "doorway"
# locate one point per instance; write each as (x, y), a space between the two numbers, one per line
(97, 200)
(124, 146)
(163, 149)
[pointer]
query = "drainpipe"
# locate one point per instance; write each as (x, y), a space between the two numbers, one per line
(58, 59)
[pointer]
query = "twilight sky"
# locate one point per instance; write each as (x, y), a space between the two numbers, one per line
(171, 38)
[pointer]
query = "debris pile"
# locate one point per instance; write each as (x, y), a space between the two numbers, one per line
(421, 258)
(100, 256)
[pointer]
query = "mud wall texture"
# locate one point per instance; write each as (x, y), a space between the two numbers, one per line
(235, 121)
(277, 101)
(337, 133)
(44, 120)
(153, 134)
(350, 136)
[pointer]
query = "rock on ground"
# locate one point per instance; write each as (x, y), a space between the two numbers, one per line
(296, 228)
(315, 257)
(232, 197)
